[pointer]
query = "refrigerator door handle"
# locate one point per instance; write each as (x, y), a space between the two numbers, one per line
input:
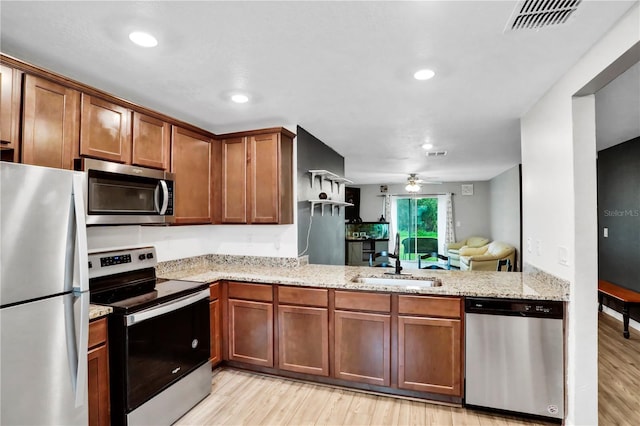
(81, 282)
(77, 349)
(81, 290)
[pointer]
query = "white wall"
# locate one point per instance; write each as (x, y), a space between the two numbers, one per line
(505, 209)
(559, 201)
(176, 242)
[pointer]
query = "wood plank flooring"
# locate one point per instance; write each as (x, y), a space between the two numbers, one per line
(618, 373)
(242, 398)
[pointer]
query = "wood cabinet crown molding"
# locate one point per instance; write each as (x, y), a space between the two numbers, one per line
(89, 90)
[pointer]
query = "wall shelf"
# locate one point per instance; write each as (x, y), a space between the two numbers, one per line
(331, 203)
(328, 176)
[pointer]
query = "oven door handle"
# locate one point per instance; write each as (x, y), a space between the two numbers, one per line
(164, 308)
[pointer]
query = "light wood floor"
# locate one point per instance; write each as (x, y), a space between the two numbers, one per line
(618, 374)
(241, 398)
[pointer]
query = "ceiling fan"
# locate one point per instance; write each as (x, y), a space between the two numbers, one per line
(413, 183)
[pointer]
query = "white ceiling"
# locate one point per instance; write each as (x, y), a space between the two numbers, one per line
(341, 70)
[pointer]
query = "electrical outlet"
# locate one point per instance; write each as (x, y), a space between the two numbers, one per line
(529, 245)
(606, 233)
(457, 224)
(538, 248)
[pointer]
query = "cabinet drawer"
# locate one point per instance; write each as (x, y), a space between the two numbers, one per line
(97, 332)
(214, 291)
(448, 307)
(261, 292)
(363, 301)
(303, 296)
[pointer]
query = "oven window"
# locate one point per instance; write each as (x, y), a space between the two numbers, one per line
(163, 349)
(115, 194)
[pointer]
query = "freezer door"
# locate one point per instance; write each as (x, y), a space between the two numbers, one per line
(40, 358)
(37, 224)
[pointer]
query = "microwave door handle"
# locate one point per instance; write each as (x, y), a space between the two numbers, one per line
(165, 197)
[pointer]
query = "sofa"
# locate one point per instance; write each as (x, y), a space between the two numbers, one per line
(453, 249)
(485, 258)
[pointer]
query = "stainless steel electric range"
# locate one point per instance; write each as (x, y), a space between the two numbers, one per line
(158, 337)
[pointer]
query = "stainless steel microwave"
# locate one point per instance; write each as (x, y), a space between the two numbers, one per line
(119, 194)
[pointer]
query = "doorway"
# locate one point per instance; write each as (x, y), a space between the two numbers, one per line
(417, 226)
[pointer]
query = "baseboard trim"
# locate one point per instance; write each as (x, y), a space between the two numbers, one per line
(617, 315)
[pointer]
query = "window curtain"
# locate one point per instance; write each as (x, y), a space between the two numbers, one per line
(450, 233)
(391, 214)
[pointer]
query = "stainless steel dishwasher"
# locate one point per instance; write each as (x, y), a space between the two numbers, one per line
(514, 356)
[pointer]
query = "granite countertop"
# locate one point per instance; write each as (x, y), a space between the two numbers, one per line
(97, 311)
(456, 283)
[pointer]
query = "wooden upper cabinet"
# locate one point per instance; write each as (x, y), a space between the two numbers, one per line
(10, 92)
(191, 163)
(257, 177)
(105, 131)
(151, 142)
(234, 180)
(50, 123)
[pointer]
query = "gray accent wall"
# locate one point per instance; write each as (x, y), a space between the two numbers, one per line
(505, 210)
(326, 233)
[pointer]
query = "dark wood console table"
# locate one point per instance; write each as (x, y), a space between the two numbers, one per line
(626, 296)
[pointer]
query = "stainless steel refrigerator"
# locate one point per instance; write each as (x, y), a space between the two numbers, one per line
(44, 297)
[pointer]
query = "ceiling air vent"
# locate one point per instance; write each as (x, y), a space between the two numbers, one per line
(536, 14)
(436, 153)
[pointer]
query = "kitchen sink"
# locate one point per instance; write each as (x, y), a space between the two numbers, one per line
(402, 282)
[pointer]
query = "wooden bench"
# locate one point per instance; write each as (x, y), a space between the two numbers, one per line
(626, 296)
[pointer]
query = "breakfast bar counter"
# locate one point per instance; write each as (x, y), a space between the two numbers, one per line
(534, 286)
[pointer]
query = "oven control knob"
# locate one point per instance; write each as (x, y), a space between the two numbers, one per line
(141, 257)
(194, 343)
(149, 255)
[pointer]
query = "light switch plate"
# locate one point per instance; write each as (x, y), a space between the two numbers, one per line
(563, 256)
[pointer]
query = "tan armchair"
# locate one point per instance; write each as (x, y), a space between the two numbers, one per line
(453, 249)
(485, 258)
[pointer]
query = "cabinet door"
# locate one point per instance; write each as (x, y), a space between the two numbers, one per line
(98, 374)
(362, 347)
(303, 339)
(264, 179)
(355, 254)
(251, 332)
(151, 142)
(10, 110)
(105, 131)
(214, 323)
(50, 124)
(234, 180)
(191, 162)
(429, 355)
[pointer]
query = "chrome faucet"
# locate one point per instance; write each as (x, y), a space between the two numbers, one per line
(396, 255)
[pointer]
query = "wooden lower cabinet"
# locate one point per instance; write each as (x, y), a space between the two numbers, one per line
(303, 336)
(429, 355)
(362, 347)
(251, 332)
(98, 374)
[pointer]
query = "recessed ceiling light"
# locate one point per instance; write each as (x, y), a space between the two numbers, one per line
(427, 146)
(143, 39)
(240, 98)
(424, 74)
